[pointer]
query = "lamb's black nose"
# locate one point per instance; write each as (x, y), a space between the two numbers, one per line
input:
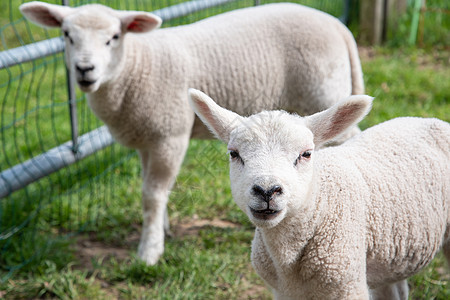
(83, 68)
(267, 195)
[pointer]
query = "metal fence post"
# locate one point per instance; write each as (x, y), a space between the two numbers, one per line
(72, 99)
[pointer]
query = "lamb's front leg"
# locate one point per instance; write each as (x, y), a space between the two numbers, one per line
(160, 166)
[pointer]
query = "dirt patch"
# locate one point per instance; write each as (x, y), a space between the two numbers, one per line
(435, 59)
(366, 53)
(89, 248)
(254, 291)
(192, 226)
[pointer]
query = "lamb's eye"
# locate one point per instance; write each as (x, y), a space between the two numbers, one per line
(306, 154)
(303, 156)
(66, 34)
(235, 156)
(115, 37)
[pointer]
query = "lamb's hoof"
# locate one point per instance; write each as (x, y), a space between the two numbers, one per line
(150, 255)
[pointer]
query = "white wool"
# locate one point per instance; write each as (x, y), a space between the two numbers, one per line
(344, 222)
(278, 56)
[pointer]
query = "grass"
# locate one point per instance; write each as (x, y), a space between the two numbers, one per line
(406, 82)
(209, 254)
(212, 261)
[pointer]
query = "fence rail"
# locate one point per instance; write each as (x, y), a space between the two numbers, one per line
(51, 161)
(31, 52)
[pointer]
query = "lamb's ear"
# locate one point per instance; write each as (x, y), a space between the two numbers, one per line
(219, 120)
(138, 21)
(45, 14)
(329, 123)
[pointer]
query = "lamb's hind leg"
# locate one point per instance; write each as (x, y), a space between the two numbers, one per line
(395, 291)
(160, 166)
(446, 247)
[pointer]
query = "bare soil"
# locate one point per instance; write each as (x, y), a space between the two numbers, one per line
(89, 248)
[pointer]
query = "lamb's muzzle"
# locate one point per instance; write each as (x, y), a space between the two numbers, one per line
(267, 199)
(84, 74)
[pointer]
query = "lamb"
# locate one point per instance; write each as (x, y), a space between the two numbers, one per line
(136, 78)
(344, 222)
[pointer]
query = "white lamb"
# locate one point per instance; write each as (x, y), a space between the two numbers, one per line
(344, 222)
(269, 57)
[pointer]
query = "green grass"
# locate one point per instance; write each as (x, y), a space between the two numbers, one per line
(214, 261)
(102, 199)
(407, 82)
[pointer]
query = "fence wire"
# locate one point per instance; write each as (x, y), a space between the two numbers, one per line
(34, 118)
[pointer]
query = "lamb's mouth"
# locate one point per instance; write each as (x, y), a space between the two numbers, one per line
(265, 214)
(86, 83)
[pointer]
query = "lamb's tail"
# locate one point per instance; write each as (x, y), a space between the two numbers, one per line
(355, 63)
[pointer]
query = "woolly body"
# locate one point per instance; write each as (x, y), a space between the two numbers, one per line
(268, 57)
(246, 54)
(359, 217)
(383, 212)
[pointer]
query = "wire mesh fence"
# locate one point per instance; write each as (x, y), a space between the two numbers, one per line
(34, 119)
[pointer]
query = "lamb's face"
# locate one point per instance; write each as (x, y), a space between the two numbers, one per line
(271, 153)
(271, 166)
(94, 36)
(93, 45)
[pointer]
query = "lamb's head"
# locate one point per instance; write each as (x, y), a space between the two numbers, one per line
(93, 36)
(272, 153)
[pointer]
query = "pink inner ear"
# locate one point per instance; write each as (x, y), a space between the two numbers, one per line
(135, 26)
(44, 16)
(51, 21)
(142, 24)
(342, 119)
(206, 112)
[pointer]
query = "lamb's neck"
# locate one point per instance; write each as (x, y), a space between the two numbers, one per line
(131, 70)
(287, 241)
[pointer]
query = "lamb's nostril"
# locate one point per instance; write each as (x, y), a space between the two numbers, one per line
(275, 190)
(259, 191)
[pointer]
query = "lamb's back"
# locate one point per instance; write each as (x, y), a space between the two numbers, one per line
(277, 56)
(268, 57)
(405, 163)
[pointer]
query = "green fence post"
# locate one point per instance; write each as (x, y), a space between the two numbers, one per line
(414, 22)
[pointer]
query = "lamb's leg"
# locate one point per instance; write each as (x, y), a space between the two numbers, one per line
(167, 230)
(446, 248)
(160, 166)
(395, 291)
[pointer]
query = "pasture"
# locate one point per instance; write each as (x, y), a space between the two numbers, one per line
(208, 254)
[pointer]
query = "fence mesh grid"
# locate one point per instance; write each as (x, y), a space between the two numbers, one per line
(34, 118)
